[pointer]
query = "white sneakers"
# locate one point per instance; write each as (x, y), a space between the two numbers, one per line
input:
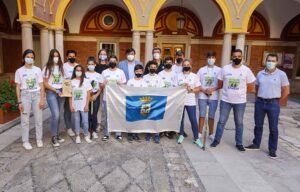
(87, 139)
(95, 135)
(71, 132)
(39, 143)
(211, 138)
(77, 140)
(27, 146)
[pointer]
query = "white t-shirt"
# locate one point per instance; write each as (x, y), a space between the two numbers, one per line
(235, 82)
(56, 78)
(29, 79)
(113, 77)
(177, 69)
(136, 83)
(68, 70)
(169, 78)
(96, 77)
(79, 94)
(193, 81)
(153, 80)
(209, 79)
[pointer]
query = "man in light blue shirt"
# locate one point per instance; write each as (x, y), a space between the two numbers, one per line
(129, 63)
(272, 89)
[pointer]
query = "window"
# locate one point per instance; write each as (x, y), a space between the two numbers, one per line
(110, 47)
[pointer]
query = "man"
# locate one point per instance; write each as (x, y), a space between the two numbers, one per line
(177, 68)
(157, 59)
(153, 80)
(235, 79)
(129, 63)
(272, 87)
(209, 94)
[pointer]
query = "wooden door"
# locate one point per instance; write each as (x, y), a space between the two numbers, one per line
(170, 49)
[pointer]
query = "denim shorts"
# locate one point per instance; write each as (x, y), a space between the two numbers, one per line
(213, 104)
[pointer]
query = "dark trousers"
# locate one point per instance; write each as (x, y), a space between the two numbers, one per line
(272, 110)
(93, 122)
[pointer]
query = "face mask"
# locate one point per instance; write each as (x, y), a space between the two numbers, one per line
(55, 59)
(152, 71)
(91, 67)
(270, 65)
(138, 75)
(130, 57)
(29, 61)
(168, 66)
(179, 60)
(78, 73)
(156, 55)
(103, 57)
(72, 60)
(237, 61)
(211, 61)
(112, 64)
(185, 69)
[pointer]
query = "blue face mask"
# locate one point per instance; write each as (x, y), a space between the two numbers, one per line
(270, 65)
(91, 67)
(29, 61)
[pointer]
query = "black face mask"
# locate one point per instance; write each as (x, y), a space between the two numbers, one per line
(72, 60)
(236, 61)
(152, 71)
(138, 75)
(179, 60)
(112, 65)
(168, 66)
(185, 69)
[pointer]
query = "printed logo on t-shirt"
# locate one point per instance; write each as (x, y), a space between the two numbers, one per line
(209, 81)
(233, 83)
(56, 78)
(167, 84)
(78, 95)
(31, 82)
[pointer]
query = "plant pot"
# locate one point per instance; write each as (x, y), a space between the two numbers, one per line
(6, 116)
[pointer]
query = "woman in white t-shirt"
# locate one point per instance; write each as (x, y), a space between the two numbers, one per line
(191, 81)
(53, 74)
(112, 75)
(79, 102)
(30, 95)
(96, 80)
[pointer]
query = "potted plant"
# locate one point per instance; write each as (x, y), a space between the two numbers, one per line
(8, 101)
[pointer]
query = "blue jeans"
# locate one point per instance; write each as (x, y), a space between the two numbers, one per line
(272, 109)
(93, 116)
(55, 104)
(84, 120)
(191, 111)
(213, 104)
(106, 133)
(238, 113)
(67, 114)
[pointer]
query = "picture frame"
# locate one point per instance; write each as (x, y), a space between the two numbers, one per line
(279, 54)
(289, 60)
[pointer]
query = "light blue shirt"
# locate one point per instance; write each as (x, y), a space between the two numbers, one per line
(270, 84)
(131, 70)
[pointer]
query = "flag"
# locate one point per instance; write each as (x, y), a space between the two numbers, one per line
(144, 110)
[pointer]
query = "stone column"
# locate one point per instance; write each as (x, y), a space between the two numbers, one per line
(240, 42)
(226, 50)
(44, 40)
(136, 44)
(148, 46)
(27, 40)
(51, 39)
(59, 42)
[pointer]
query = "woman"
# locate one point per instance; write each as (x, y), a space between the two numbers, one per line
(96, 80)
(79, 103)
(191, 81)
(53, 74)
(116, 76)
(30, 95)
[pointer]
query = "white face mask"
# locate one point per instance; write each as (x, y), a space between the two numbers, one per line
(29, 61)
(156, 55)
(91, 67)
(211, 61)
(103, 57)
(55, 59)
(130, 57)
(78, 73)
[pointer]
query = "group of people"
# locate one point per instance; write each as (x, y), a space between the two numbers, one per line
(88, 101)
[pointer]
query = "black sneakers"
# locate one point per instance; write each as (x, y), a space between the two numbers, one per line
(240, 147)
(252, 147)
(54, 142)
(214, 143)
(272, 154)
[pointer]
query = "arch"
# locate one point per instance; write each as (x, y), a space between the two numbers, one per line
(258, 27)
(166, 22)
(61, 13)
(118, 23)
(5, 25)
(291, 31)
